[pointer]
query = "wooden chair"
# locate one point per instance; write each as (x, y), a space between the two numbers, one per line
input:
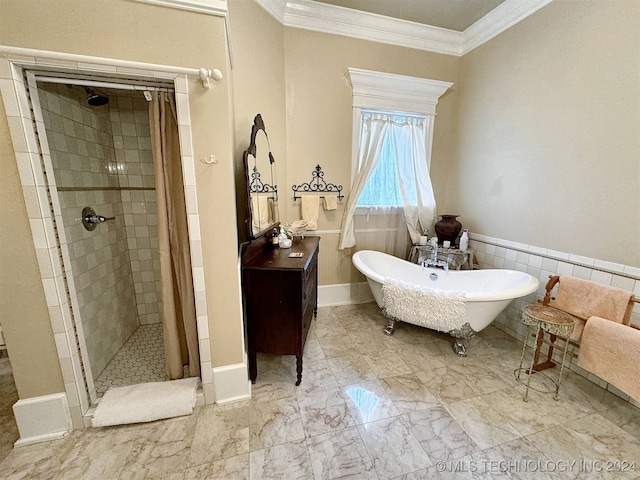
(553, 341)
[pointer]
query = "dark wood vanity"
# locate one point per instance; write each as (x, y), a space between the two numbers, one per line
(280, 297)
(279, 291)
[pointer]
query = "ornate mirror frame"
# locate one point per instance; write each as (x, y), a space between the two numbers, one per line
(262, 192)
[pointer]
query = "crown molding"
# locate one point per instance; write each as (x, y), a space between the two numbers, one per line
(503, 17)
(275, 8)
(336, 20)
(322, 17)
(218, 8)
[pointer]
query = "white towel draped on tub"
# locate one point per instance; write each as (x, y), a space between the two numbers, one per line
(442, 310)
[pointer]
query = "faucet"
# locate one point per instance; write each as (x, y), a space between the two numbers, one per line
(433, 261)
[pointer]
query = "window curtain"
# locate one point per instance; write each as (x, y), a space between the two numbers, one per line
(178, 302)
(373, 128)
(407, 138)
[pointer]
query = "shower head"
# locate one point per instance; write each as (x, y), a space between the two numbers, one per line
(94, 99)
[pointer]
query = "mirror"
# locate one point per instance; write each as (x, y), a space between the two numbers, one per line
(262, 192)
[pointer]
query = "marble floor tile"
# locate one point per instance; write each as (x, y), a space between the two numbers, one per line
(622, 414)
(386, 363)
(316, 376)
(440, 435)
(481, 422)
(368, 401)
(163, 448)
(289, 460)
(351, 369)
(518, 459)
(462, 469)
(275, 380)
(273, 423)
(446, 385)
(236, 468)
(220, 433)
(593, 446)
(337, 344)
(102, 455)
(611, 441)
(408, 393)
(8, 396)
(481, 379)
(403, 407)
(340, 454)
(421, 358)
(393, 447)
(539, 413)
(325, 411)
(312, 351)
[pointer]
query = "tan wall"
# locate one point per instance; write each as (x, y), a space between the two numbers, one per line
(319, 121)
(127, 30)
(257, 42)
(548, 137)
(23, 309)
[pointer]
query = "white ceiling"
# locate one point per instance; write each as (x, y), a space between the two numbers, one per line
(455, 15)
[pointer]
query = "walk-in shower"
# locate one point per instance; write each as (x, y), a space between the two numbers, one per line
(102, 162)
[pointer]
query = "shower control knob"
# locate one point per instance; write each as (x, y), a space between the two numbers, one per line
(90, 219)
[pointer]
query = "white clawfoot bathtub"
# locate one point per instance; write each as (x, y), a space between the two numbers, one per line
(487, 292)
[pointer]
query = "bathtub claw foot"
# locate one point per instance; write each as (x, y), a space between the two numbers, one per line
(388, 330)
(459, 348)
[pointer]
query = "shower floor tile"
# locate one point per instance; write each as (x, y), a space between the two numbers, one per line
(140, 360)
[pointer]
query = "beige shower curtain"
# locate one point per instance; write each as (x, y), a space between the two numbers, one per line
(178, 302)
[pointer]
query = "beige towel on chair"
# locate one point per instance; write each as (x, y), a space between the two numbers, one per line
(612, 352)
(330, 202)
(310, 206)
(584, 299)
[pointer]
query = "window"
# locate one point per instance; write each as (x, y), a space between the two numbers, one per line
(392, 134)
(382, 188)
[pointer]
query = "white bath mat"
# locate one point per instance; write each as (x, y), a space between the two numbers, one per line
(146, 402)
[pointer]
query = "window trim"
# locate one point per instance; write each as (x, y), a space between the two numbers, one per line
(392, 94)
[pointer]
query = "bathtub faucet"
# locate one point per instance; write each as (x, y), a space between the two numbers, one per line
(429, 262)
(433, 261)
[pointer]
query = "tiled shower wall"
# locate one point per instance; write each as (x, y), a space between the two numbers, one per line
(82, 141)
(541, 263)
(129, 113)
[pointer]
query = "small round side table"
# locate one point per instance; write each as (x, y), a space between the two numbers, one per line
(551, 320)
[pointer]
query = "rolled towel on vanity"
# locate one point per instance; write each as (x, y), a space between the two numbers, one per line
(611, 351)
(330, 202)
(310, 206)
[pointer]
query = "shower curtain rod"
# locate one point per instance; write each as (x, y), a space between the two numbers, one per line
(44, 58)
(95, 83)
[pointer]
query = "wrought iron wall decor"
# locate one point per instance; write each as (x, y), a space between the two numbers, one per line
(317, 184)
(256, 185)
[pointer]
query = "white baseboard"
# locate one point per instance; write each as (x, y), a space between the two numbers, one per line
(231, 383)
(43, 418)
(344, 294)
